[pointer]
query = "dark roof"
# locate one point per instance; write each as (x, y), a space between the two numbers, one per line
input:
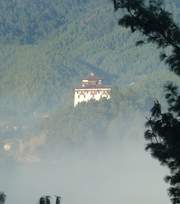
(93, 83)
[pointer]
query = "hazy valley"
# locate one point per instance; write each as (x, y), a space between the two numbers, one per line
(46, 48)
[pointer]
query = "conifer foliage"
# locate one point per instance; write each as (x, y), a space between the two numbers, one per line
(157, 26)
(58, 199)
(2, 197)
(47, 199)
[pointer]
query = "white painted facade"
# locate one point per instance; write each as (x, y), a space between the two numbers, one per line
(91, 89)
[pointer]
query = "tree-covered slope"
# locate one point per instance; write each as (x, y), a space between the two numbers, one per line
(90, 40)
(48, 46)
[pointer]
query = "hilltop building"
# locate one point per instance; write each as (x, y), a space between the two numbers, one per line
(91, 88)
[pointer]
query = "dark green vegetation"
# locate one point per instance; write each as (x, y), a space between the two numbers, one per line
(163, 128)
(43, 200)
(2, 197)
(47, 200)
(39, 72)
(46, 47)
(28, 21)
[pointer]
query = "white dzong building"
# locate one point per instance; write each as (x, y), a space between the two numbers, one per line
(91, 88)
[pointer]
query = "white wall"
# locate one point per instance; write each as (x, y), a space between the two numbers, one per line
(85, 95)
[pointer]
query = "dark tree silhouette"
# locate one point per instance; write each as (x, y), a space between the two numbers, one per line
(163, 129)
(58, 199)
(47, 198)
(42, 200)
(2, 197)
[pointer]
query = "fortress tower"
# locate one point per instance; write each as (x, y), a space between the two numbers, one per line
(91, 88)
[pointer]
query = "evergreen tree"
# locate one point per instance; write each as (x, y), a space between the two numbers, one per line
(2, 197)
(47, 198)
(163, 128)
(42, 200)
(58, 199)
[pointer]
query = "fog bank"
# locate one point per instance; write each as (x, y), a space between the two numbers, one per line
(116, 172)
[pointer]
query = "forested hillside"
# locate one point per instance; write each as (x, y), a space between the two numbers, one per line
(47, 46)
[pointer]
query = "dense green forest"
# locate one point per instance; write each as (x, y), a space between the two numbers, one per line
(48, 46)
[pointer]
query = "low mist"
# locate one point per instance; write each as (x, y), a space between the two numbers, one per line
(117, 170)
